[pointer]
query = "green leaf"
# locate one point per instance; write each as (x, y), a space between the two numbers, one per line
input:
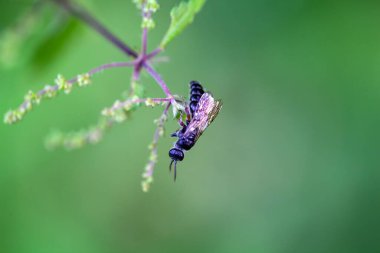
(181, 16)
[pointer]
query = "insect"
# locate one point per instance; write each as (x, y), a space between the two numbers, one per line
(203, 110)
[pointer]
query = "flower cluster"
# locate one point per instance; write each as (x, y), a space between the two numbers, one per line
(181, 16)
(149, 168)
(120, 109)
(148, 7)
(49, 91)
(75, 140)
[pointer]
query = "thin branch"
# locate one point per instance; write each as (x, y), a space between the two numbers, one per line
(136, 73)
(50, 91)
(90, 73)
(146, 14)
(78, 139)
(161, 59)
(153, 53)
(158, 79)
(118, 105)
(110, 65)
(83, 15)
(144, 36)
(117, 114)
(144, 40)
(149, 168)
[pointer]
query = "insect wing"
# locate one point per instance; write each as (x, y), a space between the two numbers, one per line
(215, 110)
(206, 111)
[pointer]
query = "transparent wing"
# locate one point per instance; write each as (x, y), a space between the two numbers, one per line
(207, 110)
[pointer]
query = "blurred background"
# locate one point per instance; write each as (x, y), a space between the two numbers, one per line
(291, 164)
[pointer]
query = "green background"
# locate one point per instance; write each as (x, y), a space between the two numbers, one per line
(291, 164)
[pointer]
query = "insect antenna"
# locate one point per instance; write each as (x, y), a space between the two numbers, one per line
(175, 170)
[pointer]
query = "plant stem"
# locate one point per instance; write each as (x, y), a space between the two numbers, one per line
(149, 168)
(153, 53)
(158, 79)
(136, 74)
(144, 37)
(83, 15)
(111, 65)
(119, 105)
(144, 43)
(73, 80)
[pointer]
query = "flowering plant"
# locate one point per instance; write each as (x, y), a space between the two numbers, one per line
(181, 16)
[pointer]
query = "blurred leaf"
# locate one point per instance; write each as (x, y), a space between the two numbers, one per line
(14, 37)
(181, 16)
(39, 25)
(12, 12)
(53, 44)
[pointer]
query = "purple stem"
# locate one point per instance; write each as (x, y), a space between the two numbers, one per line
(97, 26)
(75, 79)
(111, 65)
(161, 59)
(153, 53)
(144, 38)
(144, 43)
(158, 78)
(167, 109)
(136, 73)
(81, 14)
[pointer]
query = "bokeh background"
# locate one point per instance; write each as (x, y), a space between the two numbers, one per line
(291, 164)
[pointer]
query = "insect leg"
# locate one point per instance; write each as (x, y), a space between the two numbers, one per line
(181, 123)
(188, 114)
(170, 166)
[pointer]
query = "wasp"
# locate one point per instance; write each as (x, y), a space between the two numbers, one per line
(203, 110)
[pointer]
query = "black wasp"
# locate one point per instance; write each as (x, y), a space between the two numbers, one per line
(203, 110)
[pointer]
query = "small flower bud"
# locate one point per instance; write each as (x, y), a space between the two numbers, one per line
(145, 186)
(161, 132)
(60, 81)
(49, 91)
(10, 117)
(29, 96)
(68, 88)
(149, 102)
(28, 106)
(84, 80)
(153, 157)
(152, 146)
(116, 105)
(94, 136)
(127, 107)
(107, 112)
(148, 23)
(119, 116)
(152, 6)
(138, 3)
